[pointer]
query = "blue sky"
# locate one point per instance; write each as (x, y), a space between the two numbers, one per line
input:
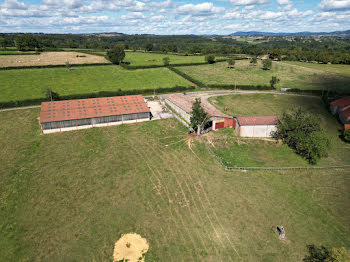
(173, 16)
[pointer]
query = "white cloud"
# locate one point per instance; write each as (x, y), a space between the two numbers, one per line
(13, 4)
(203, 9)
(284, 2)
(329, 5)
(249, 2)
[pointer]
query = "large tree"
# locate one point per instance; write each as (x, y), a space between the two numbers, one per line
(27, 42)
(199, 116)
(116, 54)
(303, 133)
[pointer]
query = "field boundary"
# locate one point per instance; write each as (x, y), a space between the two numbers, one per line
(53, 66)
(232, 168)
(131, 67)
(37, 101)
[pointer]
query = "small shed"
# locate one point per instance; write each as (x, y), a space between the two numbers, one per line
(256, 126)
(339, 105)
(344, 116)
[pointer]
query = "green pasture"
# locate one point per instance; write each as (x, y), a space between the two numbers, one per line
(69, 196)
(254, 152)
(291, 75)
(30, 83)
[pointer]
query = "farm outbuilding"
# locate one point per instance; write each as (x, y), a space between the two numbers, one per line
(182, 105)
(256, 126)
(344, 116)
(339, 105)
(68, 115)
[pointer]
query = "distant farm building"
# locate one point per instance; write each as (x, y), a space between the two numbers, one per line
(68, 115)
(182, 105)
(256, 126)
(339, 105)
(341, 108)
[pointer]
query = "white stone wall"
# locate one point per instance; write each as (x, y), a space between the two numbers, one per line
(256, 131)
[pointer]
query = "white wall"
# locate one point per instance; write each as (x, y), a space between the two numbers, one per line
(256, 131)
(179, 111)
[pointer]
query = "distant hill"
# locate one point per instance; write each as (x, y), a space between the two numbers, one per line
(257, 33)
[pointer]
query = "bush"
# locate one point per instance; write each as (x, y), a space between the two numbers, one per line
(267, 64)
(166, 61)
(210, 58)
(302, 132)
(347, 135)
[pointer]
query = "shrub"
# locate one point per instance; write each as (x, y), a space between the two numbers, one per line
(347, 135)
(267, 64)
(166, 61)
(210, 58)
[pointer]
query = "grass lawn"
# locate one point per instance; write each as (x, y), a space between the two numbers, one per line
(30, 83)
(251, 152)
(291, 75)
(69, 196)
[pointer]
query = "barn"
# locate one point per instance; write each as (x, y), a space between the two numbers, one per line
(339, 105)
(256, 126)
(57, 116)
(182, 105)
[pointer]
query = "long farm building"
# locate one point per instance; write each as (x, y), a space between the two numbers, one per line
(68, 115)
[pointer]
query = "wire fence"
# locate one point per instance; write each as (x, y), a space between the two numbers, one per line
(230, 168)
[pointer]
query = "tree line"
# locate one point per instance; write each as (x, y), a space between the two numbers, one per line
(322, 49)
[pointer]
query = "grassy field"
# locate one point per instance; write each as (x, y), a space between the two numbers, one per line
(30, 83)
(69, 196)
(247, 152)
(291, 75)
(50, 58)
(148, 59)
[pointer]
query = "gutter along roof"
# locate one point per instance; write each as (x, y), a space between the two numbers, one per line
(92, 107)
(257, 120)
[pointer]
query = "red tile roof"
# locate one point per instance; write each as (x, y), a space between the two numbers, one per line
(257, 120)
(347, 125)
(185, 103)
(92, 107)
(342, 102)
(346, 112)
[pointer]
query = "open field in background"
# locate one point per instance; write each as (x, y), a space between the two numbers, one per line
(144, 59)
(250, 152)
(342, 70)
(148, 59)
(30, 83)
(69, 196)
(50, 58)
(297, 75)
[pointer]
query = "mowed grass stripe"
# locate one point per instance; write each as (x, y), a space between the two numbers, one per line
(167, 200)
(184, 178)
(31, 83)
(179, 201)
(201, 192)
(186, 199)
(189, 190)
